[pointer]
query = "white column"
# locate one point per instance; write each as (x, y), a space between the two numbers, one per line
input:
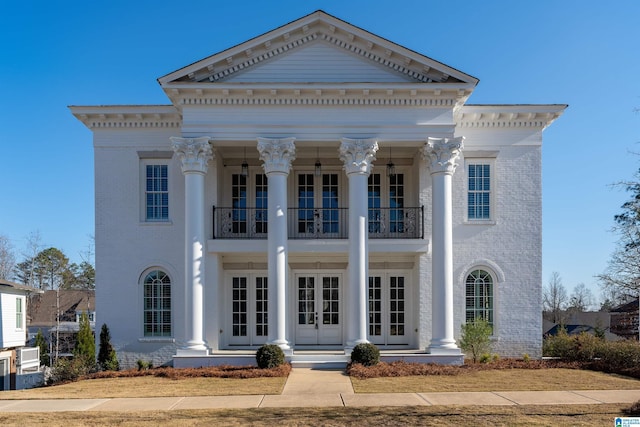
(442, 154)
(277, 155)
(357, 155)
(194, 153)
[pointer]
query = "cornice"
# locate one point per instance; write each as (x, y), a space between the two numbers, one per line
(127, 117)
(409, 95)
(508, 116)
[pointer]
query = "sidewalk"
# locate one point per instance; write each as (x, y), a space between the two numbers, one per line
(324, 388)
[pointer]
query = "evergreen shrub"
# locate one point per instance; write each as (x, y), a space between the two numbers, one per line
(269, 356)
(366, 354)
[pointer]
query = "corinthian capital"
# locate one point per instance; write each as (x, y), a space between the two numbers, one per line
(194, 153)
(442, 153)
(276, 154)
(358, 154)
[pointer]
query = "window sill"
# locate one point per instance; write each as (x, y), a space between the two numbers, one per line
(480, 222)
(157, 340)
(161, 223)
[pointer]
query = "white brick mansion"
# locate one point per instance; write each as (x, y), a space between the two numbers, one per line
(317, 187)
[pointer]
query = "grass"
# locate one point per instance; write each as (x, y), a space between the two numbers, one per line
(149, 386)
(575, 415)
(498, 380)
(463, 380)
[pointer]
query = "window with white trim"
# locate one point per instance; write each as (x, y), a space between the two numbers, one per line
(156, 193)
(479, 296)
(19, 313)
(157, 304)
(479, 189)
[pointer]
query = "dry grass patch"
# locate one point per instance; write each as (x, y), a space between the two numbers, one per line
(165, 382)
(576, 415)
(502, 376)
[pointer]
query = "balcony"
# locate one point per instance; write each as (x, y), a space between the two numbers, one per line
(310, 223)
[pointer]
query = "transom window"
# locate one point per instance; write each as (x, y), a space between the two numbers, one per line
(156, 193)
(479, 296)
(157, 304)
(479, 191)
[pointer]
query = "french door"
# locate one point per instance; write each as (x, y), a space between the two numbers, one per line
(318, 199)
(248, 310)
(388, 317)
(318, 309)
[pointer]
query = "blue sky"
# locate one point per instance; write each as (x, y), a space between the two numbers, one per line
(576, 52)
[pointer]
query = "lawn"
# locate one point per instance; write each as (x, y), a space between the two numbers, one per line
(574, 415)
(483, 380)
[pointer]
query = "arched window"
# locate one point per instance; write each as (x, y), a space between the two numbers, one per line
(479, 296)
(157, 304)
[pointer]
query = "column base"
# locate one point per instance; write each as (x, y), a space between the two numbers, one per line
(284, 345)
(444, 347)
(192, 352)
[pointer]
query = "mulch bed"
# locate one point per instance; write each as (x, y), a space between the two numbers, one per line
(205, 372)
(405, 369)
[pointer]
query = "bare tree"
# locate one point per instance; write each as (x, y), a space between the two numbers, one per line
(581, 298)
(33, 248)
(7, 258)
(554, 299)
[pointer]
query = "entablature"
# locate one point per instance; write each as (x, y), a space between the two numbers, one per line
(409, 95)
(508, 116)
(128, 116)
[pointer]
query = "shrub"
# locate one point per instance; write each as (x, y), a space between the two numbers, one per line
(476, 338)
(67, 370)
(143, 365)
(485, 358)
(269, 356)
(85, 348)
(526, 358)
(44, 351)
(366, 354)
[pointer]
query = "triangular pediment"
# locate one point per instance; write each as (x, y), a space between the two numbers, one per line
(317, 48)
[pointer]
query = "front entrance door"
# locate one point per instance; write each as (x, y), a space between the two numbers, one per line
(319, 318)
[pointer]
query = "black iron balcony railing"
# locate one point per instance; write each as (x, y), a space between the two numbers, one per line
(314, 223)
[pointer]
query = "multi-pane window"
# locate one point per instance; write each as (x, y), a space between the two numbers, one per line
(156, 193)
(239, 203)
(19, 314)
(262, 312)
(479, 191)
(374, 196)
(306, 213)
(262, 205)
(396, 203)
(239, 309)
(330, 213)
(479, 296)
(375, 306)
(396, 306)
(157, 304)
(330, 301)
(306, 301)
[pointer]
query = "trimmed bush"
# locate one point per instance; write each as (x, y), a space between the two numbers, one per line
(269, 356)
(366, 354)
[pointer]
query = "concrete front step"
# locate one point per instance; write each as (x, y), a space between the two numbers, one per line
(312, 359)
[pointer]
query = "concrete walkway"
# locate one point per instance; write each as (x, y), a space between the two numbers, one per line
(307, 388)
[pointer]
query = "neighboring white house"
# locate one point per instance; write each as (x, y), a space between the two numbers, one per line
(19, 365)
(317, 187)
